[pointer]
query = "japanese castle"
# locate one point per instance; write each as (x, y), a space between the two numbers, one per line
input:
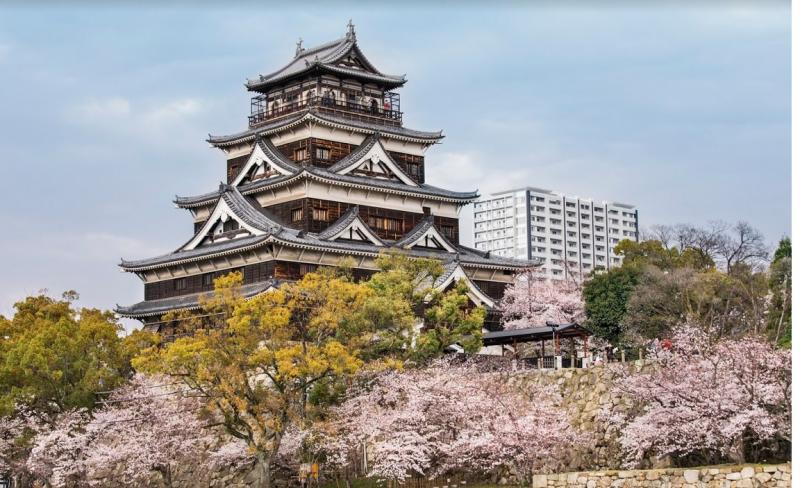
(324, 170)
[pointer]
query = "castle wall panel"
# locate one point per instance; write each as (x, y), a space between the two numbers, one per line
(317, 215)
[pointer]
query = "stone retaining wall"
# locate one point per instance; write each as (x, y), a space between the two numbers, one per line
(727, 476)
(584, 393)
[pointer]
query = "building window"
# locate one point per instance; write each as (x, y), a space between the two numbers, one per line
(320, 214)
(323, 153)
(301, 154)
(297, 214)
(307, 268)
(180, 284)
(208, 279)
(448, 231)
(386, 223)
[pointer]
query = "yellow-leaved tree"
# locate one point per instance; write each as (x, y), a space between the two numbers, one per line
(255, 360)
(278, 358)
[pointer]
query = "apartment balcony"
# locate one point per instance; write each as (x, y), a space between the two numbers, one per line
(374, 112)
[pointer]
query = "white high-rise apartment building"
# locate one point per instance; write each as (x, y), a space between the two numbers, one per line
(571, 236)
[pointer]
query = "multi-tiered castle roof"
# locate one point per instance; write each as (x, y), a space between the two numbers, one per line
(324, 170)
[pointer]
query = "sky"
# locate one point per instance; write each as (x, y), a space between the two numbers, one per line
(682, 110)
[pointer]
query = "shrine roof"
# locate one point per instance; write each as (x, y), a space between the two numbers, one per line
(327, 57)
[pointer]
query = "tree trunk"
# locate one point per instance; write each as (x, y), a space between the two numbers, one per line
(784, 297)
(737, 451)
(263, 465)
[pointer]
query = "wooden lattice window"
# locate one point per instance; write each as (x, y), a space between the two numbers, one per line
(297, 214)
(386, 223)
(301, 154)
(320, 214)
(323, 153)
(448, 231)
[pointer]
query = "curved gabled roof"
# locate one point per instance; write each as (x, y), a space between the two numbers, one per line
(323, 175)
(153, 308)
(270, 230)
(356, 153)
(274, 155)
(325, 58)
(315, 116)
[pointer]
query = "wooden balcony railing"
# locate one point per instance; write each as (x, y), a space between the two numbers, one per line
(373, 112)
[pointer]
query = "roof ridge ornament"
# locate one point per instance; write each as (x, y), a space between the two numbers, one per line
(299, 47)
(351, 30)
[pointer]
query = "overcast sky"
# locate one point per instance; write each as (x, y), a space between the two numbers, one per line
(682, 111)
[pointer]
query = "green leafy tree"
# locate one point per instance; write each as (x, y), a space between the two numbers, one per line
(606, 297)
(657, 304)
(450, 318)
(654, 253)
(258, 361)
(780, 287)
(54, 357)
(400, 289)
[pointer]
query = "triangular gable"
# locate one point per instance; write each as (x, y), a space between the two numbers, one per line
(216, 225)
(475, 294)
(355, 59)
(357, 230)
(259, 166)
(376, 162)
(431, 238)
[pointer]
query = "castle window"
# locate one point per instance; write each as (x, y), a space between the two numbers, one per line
(386, 223)
(301, 154)
(208, 279)
(297, 214)
(320, 214)
(307, 268)
(448, 231)
(180, 284)
(323, 153)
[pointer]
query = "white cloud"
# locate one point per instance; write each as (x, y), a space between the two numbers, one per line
(144, 117)
(172, 111)
(101, 110)
(471, 171)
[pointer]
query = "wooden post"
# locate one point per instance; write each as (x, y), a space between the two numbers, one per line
(623, 355)
(542, 344)
(557, 345)
(641, 355)
(586, 346)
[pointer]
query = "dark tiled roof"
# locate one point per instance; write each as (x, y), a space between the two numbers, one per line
(449, 269)
(343, 223)
(251, 213)
(161, 306)
(418, 231)
(274, 155)
(531, 334)
(312, 114)
(357, 153)
(259, 186)
(323, 57)
(208, 251)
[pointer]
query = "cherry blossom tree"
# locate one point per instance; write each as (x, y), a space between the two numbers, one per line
(448, 418)
(16, 434)
(707, 401)
(145, 427)
(533, 300)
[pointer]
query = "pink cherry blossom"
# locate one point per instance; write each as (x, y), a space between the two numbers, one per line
(453, 418)
(532, 300)
(706, 398)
